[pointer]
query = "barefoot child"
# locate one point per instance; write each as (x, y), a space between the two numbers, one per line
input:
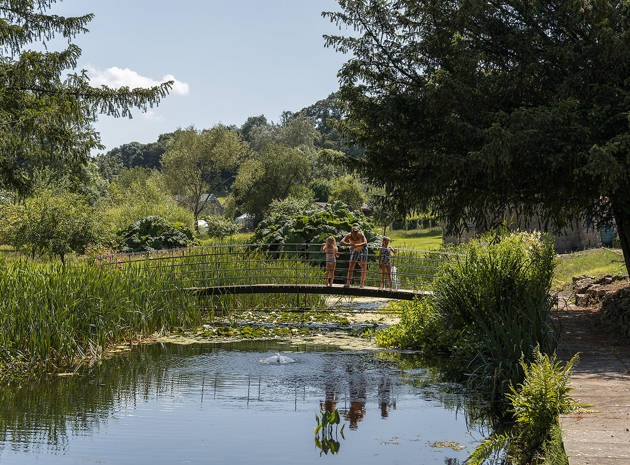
(332, 252)
(385, 261)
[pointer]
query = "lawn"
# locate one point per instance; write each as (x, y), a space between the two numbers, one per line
(592, 262)
(418, 239)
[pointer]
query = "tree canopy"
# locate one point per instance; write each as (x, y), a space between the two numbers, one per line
(195, 164)
(470, 108)
(46, 107)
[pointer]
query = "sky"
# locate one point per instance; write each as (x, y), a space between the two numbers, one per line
(229, 59)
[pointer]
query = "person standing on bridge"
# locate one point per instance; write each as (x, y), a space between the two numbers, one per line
(357, 242)
(332, 252)
(385, 253)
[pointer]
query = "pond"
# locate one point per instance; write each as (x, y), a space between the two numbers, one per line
(219, 404)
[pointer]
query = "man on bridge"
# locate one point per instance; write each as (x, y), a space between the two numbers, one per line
(357, 242)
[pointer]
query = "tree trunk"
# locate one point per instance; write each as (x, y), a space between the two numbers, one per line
(621, 211)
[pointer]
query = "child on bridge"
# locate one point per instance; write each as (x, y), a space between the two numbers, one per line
(385, 261)
(332, 252)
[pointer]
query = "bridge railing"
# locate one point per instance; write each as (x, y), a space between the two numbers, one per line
(281, 263)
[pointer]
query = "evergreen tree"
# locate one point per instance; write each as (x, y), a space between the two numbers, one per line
(46, 107)
(469, 107)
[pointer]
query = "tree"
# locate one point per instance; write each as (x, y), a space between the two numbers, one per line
(470, 108)
(273, 173)
(348, 191)
(137, 193)
(195, 163)
(46, 109)
(51, 222)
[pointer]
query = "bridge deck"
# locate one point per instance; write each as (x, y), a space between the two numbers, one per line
(309, 289)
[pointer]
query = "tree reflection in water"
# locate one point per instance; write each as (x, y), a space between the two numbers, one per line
(49, 414)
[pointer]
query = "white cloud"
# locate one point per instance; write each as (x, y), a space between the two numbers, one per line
(116, 77)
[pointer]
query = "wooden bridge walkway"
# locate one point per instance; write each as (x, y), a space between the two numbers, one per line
(337, 289)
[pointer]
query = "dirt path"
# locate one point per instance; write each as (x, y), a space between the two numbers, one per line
(602, 378)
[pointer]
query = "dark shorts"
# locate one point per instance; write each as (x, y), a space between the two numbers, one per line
(359, 255)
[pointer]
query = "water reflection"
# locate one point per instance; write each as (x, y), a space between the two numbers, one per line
(158, 394)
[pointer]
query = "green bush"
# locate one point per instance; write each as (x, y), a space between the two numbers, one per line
(154, 233)
(536, 405)
(348, 190)
(220, 227)
(138, 194)
(54, 223)
(492, 304)
(420, 328)
(313, 225)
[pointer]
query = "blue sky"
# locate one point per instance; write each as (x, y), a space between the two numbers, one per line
(231, 59)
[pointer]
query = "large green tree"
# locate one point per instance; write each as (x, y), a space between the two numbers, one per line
(471, 107)
(46, 107)
(195, 165)
(273, 173)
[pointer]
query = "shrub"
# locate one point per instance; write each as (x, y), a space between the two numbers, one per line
(138, 194)
(420, 328)
(51, 222)
(312, 226)
(536, 405)
(348, 190)
(154, 233)
(498, 297)
(322, 188)
(220, 227)
(493, 304)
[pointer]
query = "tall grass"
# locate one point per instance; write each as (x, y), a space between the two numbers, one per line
(53, 315)
(490, 307)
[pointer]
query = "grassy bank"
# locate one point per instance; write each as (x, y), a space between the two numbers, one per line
(592, 262)
(54, 316)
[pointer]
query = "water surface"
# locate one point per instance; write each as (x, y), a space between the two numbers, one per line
(217, 404)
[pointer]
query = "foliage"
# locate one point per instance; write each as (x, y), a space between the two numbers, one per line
(591, 262)
(471, 109)
(321, 188)
(492, 304)
(348, 190)
(536, 404)
(313, 226)
(46, 108)
(220, 227)
(154, 233)
(327, 431)
(272, 173)
(136, 194)
(196, 163)
(50, 223)
(421, 328)
(290, 206)
(54, 316)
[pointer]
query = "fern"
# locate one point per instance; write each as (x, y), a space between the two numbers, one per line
(491, 448)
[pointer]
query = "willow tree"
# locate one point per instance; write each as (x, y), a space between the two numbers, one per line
(47, 107)
(471, 107)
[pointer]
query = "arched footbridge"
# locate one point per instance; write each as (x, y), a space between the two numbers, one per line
(224, 270)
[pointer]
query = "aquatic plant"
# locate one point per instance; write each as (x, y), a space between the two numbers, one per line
(490, 305)
(536, 405)
(327, 432)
